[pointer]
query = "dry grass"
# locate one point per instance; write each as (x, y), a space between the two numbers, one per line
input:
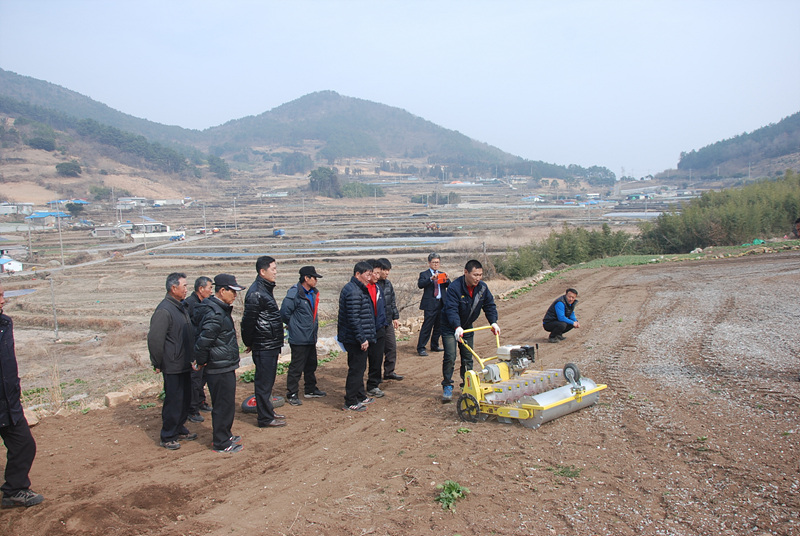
(125, 336)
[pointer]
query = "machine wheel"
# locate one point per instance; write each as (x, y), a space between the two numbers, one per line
(571, 372)
(468, 408)
(249, 405)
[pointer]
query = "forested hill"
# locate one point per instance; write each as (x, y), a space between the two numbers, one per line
(325, 126)
(356, 128)
(40, 93)
(736, 154)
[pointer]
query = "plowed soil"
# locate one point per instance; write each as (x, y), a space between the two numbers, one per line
(696, 434)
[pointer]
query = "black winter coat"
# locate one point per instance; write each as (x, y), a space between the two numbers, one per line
(10, 406)
(462, 310)
(390, 298)
(356, 322)
(262, 327)
(171, 337)
(216, 346)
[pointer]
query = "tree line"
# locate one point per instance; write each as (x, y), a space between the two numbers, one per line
(731, 217)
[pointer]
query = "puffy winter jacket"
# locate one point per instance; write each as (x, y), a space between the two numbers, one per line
(171, 337)
(262, 327)
(299, 314)
(10, 406)
(216, 345)
(356, 322)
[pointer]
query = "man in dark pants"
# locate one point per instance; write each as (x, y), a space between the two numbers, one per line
(393, 315)
(434, 285)
(356, 331)
(465, 299)
(170, 342)
(560, 316)
(217, 350)
(14, 429)
(375, 351)
(262, 332)
(299, 313)
(203, 288)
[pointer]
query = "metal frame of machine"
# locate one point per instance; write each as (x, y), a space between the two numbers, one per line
(509, 389)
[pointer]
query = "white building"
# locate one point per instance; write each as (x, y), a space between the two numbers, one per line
(9, 265)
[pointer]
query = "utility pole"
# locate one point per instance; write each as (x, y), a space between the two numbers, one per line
(53, 300)
(205, 227)
(235, 227)
(60, 241)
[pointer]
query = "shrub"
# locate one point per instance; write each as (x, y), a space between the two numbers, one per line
(69, 169)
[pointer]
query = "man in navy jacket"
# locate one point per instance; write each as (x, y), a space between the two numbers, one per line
(465, 298)
(14, 429)
(356, 332)
(560, 316)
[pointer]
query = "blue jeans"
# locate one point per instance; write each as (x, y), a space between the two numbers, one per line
(449, 359)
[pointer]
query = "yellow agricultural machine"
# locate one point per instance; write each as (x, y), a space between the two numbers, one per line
(506, 386)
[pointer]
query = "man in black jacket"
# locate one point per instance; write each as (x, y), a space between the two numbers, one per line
(217, 349)
(393, 315)
(356, 331)
(14, 429)
(434, 286)
(203, 288)
(170, 342)
(262, 332)
(299, 313)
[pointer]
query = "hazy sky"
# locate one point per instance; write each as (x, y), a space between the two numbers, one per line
(621, 84)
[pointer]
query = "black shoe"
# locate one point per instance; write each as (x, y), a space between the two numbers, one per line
(393, 376)
(561, 337)
(553, 339)
(294, 400)
(195, 418)
(437, 349)
(169, 445)
(205, 407)
(25, 497)
(422, 352)
(186, 437)
(316, 393)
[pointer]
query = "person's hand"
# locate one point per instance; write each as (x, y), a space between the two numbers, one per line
(459, 333)
(194, 366)
(396, 323)
(576, 324)
(247, 350)
(156, 370)
(495, 329)
(364, 346)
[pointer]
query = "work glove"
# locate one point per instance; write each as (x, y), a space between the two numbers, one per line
(495, 329)
(459, 333)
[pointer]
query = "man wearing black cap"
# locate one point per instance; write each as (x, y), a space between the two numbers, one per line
(262, 332)
(217, 349)
(14, 429)
(170, 342)
(299, 313)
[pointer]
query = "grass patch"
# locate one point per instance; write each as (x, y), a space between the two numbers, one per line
(449, 493)
(567, 471)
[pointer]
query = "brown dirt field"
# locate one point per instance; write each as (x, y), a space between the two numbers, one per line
(696, 433)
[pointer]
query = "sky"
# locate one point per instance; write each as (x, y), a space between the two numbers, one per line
(624, 84)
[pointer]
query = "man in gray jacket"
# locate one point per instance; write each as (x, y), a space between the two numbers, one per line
(170, 342)
(299, 313)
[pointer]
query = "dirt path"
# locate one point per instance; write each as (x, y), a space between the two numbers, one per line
(696, 434)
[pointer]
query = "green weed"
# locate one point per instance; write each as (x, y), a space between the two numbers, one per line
(451, 491)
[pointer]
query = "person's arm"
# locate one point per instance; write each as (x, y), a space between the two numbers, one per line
(289, 304)
(252, 304)
(560, 313)
(159, 325)
(425, 279)
(451, 298)
(209, 331)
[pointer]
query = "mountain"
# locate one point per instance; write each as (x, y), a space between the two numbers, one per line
(325, 126)
(769, 150)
